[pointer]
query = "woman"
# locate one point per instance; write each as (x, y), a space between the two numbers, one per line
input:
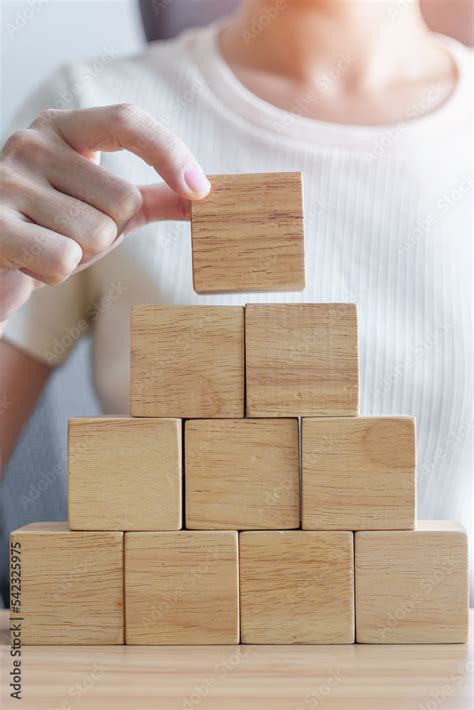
(361, 97)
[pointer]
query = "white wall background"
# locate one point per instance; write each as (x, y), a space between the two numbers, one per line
(36, 36)
(39, 35)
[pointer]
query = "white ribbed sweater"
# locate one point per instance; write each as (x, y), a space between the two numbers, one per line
(388, 225)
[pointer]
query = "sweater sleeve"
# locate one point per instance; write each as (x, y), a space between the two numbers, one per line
(51, 322)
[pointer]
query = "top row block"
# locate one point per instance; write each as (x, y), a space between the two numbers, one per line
(248, 236)
(285, 360)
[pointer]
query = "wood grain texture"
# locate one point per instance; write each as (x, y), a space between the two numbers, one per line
(296, 587)
(301, 360)
(350, 677)
(242, 474)
(187, 361)
(248, 235)
(71, 585)
(182, 588)
(124, 474)
(358, 473)
(412, 586)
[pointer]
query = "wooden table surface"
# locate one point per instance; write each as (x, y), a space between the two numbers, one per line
(424, 677)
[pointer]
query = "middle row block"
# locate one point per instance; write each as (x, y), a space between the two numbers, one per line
(358, 473)
(242, 474)
(292, 360)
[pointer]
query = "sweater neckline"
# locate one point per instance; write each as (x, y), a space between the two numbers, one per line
(261, 114)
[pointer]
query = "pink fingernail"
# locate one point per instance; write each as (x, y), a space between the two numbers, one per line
(197, 181)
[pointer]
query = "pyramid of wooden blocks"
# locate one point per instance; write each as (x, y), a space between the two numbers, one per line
(299, 514)
(247, 235)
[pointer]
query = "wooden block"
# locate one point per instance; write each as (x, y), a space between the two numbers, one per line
(296, 587)
(125, 474)
(358, 473)
(71, 585)
(301, 360)
(187, 361)
(411, 586)
(242, 474)
(247, 235)
(182, 588)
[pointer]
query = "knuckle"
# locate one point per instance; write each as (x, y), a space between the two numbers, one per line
(102, 235)
(10, 180)
(4, 223)
(17, 143)
(65, 259)
(128, 204)
(25, 145)
(125, 114)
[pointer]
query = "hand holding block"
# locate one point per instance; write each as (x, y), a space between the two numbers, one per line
(187, 361)
(412, 586)
(247, 235)
(296, 587)
(124, 474)
(71, 585)
(358, 473)
(182, 588)
(301, 360)
(242, 474)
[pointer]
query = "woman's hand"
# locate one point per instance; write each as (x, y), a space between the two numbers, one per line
(59, 211)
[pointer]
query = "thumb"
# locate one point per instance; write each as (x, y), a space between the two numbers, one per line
(159, 202)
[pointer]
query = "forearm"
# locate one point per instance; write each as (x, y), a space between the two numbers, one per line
(22, 379)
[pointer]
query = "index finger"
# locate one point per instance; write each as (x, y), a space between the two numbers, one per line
(129, 127)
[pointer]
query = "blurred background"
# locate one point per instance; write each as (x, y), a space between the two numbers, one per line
(36, 37)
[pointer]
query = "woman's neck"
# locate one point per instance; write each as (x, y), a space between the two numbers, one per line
(376, 59)
(299, 39)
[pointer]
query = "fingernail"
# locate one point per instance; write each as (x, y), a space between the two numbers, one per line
(197, 181)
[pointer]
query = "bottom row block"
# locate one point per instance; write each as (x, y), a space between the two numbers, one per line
(182, 588)
(67, 587)
(297, 586)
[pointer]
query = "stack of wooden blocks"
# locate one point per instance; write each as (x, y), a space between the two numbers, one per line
(299, 514)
